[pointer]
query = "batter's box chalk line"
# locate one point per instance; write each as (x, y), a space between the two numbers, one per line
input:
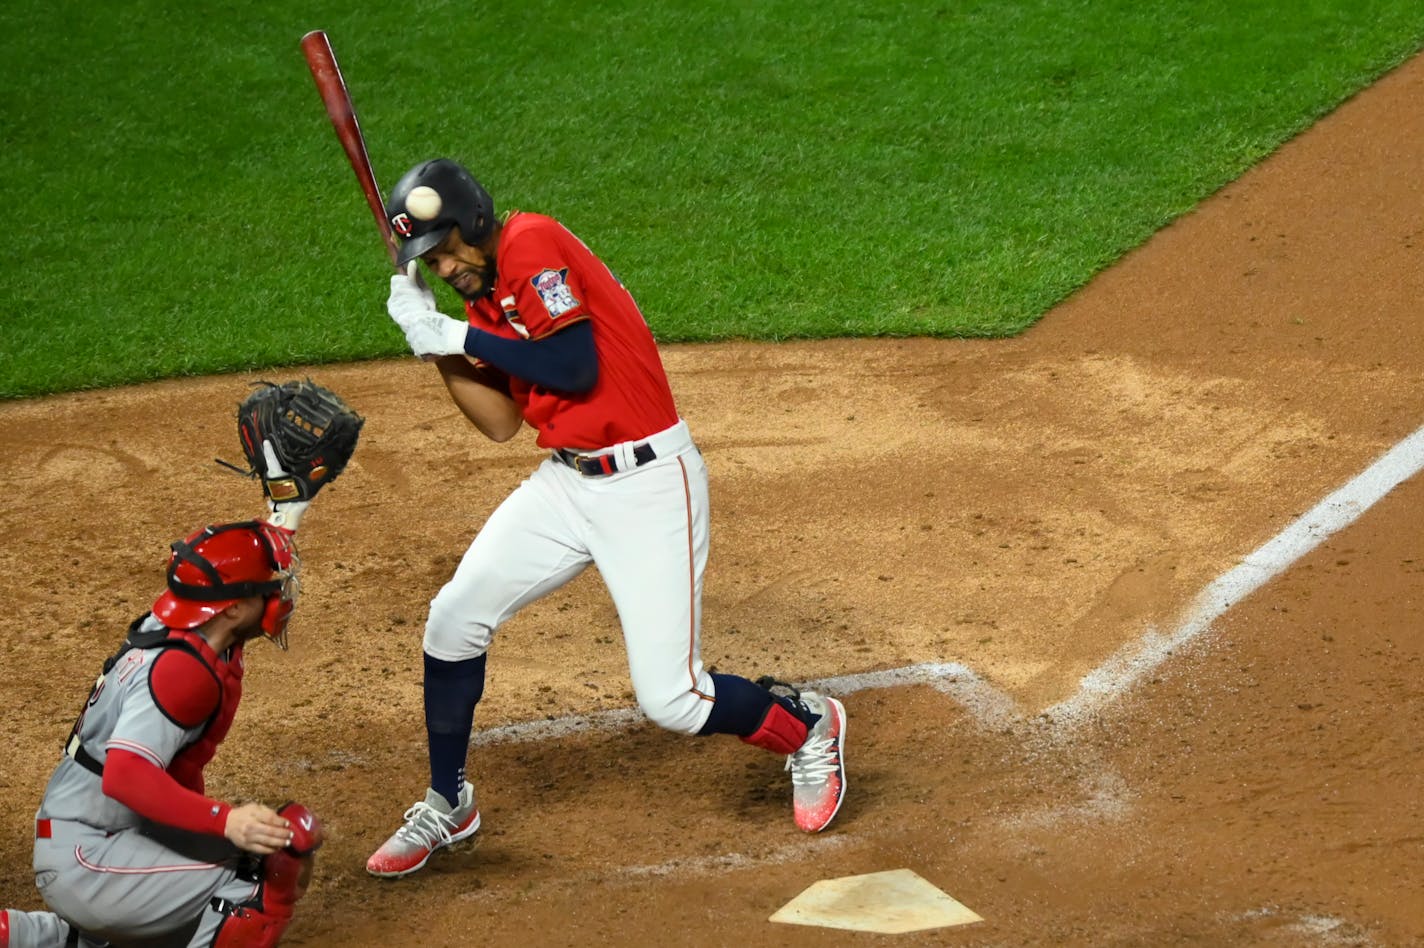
(1135, 660)
(993, 708)
(989, 705)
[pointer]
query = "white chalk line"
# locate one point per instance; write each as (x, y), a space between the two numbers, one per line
(716, 864)
(989, 705)
(1134, 660)
(994, 708)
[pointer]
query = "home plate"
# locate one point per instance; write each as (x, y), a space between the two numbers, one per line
(885, 902)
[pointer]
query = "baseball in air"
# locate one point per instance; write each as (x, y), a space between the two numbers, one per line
(423, 203)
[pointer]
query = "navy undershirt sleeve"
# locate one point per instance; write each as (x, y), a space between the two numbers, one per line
(565, 361)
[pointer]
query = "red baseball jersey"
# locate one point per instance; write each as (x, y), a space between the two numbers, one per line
(548, 279)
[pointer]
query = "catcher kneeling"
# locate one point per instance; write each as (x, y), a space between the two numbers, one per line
(128, 848)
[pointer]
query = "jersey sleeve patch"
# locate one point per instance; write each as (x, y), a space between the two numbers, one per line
(184, 688)
(554, 292)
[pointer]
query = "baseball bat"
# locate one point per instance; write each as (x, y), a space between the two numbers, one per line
(327, 74)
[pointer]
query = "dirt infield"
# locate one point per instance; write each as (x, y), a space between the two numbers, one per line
(994, 519)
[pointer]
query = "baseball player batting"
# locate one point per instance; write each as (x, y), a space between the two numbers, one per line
(553, 339)
(128, 845)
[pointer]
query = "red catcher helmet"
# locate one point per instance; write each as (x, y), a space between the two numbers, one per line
(224, 563)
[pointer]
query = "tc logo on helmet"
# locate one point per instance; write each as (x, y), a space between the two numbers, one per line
(401, 224)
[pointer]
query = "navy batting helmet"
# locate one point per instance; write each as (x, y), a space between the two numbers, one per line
(433, 197)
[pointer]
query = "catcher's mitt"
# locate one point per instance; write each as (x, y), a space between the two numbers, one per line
(297, 436)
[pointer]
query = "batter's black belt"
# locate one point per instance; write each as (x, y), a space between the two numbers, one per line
(601, 465)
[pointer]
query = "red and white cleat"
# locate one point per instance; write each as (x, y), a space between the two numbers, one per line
(429, 825)
(818, 767)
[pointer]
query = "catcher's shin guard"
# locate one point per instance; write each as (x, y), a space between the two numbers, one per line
(250, 926)
(260, 922)
(287, 872)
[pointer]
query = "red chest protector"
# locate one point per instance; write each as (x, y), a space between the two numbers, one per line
(193, 758)
(213, 705)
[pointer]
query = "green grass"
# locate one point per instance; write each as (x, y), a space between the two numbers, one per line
(178, 203)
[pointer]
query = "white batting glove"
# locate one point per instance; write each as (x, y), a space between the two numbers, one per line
(435, 334)
(417, 276)
(410, 298)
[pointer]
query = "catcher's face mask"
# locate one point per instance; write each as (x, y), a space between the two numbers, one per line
(278, 610)
(225, 563)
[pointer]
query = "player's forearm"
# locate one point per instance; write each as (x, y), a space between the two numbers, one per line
(153, 794)
(564, 361)
(488, 409)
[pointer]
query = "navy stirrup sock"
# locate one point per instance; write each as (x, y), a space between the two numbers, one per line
(452, 689)
(739, 707)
